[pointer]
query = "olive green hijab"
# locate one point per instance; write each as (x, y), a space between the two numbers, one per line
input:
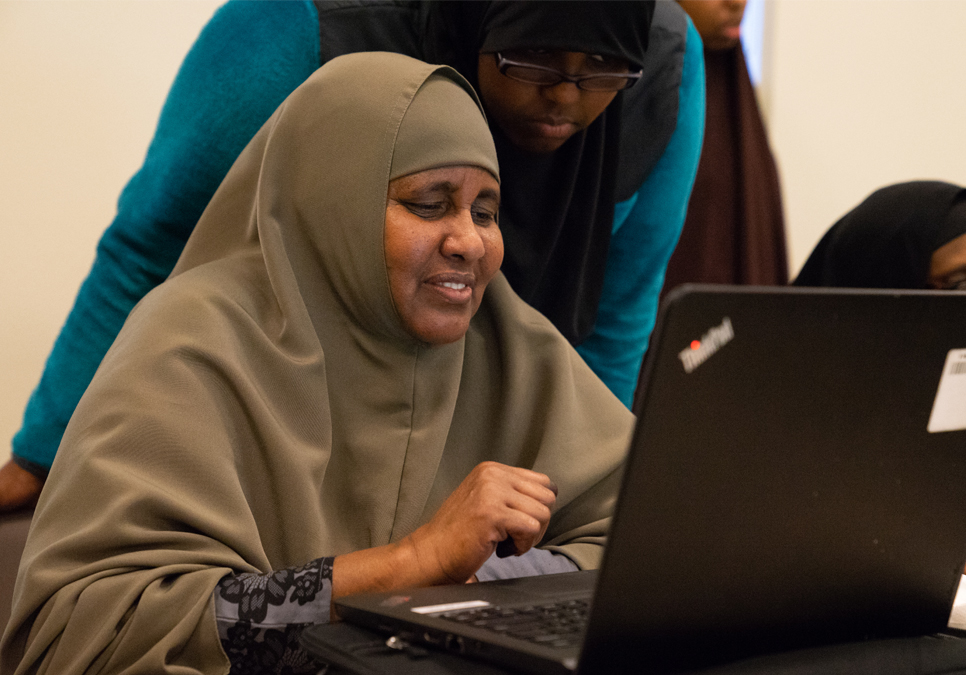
(265, 407)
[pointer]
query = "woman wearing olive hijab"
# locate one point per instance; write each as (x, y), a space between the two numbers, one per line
(589, 225)
(321, 399)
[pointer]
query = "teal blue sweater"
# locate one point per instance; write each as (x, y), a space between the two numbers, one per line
(246, 61)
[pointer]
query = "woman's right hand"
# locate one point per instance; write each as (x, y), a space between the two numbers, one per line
(494, 503)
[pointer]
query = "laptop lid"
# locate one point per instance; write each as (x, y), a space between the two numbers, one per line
(783, 488)
(797, 478)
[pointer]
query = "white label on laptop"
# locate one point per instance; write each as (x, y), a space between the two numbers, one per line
(949, 408)
(450, 607)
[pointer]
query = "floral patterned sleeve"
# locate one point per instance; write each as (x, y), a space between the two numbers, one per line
(260, 617)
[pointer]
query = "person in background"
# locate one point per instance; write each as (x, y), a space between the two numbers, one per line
(335, 391)
(907, 235)
(597, 111)
(734, 232)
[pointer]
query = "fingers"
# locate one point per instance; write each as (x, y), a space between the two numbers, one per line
(545, 493)
(528, 512)
(495, 502)
(530, 483)
(525, 524)
(529, 506)
(526, 475)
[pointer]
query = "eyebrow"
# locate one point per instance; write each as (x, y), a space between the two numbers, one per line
(449, 187)
(445, 186)
(489, 193)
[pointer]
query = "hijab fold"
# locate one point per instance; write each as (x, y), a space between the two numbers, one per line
(265, 406)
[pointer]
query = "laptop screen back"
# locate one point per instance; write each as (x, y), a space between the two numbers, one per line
(783, 490)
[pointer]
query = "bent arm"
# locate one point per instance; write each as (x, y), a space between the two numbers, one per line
(247, 59)
(646, 229)
(494, 502)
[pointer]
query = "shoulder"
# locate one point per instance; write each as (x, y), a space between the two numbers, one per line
(205, 301)
(346, 27)
(253, 51)
(650, 108)
(265, 16)
(261, 21)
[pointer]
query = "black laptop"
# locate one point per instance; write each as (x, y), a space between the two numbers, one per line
(797, 478)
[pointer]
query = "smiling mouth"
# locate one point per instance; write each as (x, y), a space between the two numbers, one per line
(453, 290)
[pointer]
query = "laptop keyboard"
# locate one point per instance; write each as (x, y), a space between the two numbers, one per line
(556, 624)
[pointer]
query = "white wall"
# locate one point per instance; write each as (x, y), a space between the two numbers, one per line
(858, 93)
(81, 86)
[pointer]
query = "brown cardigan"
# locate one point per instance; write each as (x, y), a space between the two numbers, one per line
(734, 231)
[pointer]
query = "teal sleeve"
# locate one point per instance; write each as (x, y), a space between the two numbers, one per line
(646, 230)
(246, 61)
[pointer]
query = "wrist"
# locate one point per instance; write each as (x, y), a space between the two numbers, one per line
(411, 562)
(423, 559)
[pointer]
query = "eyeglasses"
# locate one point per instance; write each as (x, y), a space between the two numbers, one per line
(548, 77)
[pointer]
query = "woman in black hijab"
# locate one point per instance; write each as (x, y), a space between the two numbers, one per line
(558, 203)
(908, 235)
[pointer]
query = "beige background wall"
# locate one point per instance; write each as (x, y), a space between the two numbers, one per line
(859, 93)
(81, 86)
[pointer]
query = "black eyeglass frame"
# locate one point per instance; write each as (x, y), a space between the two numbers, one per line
(503, 64)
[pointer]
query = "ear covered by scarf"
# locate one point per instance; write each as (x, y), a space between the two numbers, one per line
(888, 240)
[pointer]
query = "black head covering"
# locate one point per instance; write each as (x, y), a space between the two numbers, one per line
(622, 31)
(557, 209)
(888, 240)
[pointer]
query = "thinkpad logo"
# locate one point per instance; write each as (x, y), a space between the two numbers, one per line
(701, 350)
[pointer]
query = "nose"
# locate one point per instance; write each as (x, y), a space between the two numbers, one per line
(463, 239)
(562, 93)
